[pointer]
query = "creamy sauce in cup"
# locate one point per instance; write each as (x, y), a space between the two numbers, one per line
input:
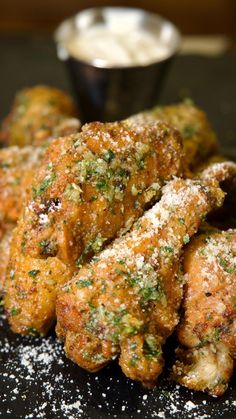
(114, 45)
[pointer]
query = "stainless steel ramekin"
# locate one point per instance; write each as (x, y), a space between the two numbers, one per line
(111, 93)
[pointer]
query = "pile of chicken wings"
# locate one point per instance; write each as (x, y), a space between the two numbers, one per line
(120, 234)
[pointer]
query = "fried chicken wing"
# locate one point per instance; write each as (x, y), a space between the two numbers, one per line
(39, 113)
(207, 332)
(125, 302)
(17, 168)
(90, 186)
(199, 139)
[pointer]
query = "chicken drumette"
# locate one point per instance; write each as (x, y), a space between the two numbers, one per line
(207, 332)
(17, 168)
(90, 186)
(39, 113)
(125, 302)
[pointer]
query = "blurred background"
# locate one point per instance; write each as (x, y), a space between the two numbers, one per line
(192, 16)
(205, 71)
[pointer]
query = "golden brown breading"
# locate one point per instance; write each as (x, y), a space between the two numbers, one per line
(17, 166)
(199, 139)
(207, 332)
(38, 114)
(225, 173)
(125, 302)
(5, 242)
(221, 171)
(90, 186)
(94, 183)
(31, 286)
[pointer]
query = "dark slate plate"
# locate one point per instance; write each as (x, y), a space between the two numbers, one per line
(36, 380)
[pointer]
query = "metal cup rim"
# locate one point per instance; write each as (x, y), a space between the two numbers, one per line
(70, 21)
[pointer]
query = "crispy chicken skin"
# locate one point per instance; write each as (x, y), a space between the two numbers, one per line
(38, 114)
(207, 332)
(17, 166)
(220, 171)
(225, 172)
(90, 186)
(199, 139)
(5, 242)
(125, 301)
(31, 286)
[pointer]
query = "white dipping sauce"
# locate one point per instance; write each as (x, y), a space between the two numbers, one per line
(115, 46)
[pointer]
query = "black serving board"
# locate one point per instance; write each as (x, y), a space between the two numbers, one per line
(36, 380)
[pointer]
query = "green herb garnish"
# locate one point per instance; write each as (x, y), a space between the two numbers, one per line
(33, 273)
(83, 283)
